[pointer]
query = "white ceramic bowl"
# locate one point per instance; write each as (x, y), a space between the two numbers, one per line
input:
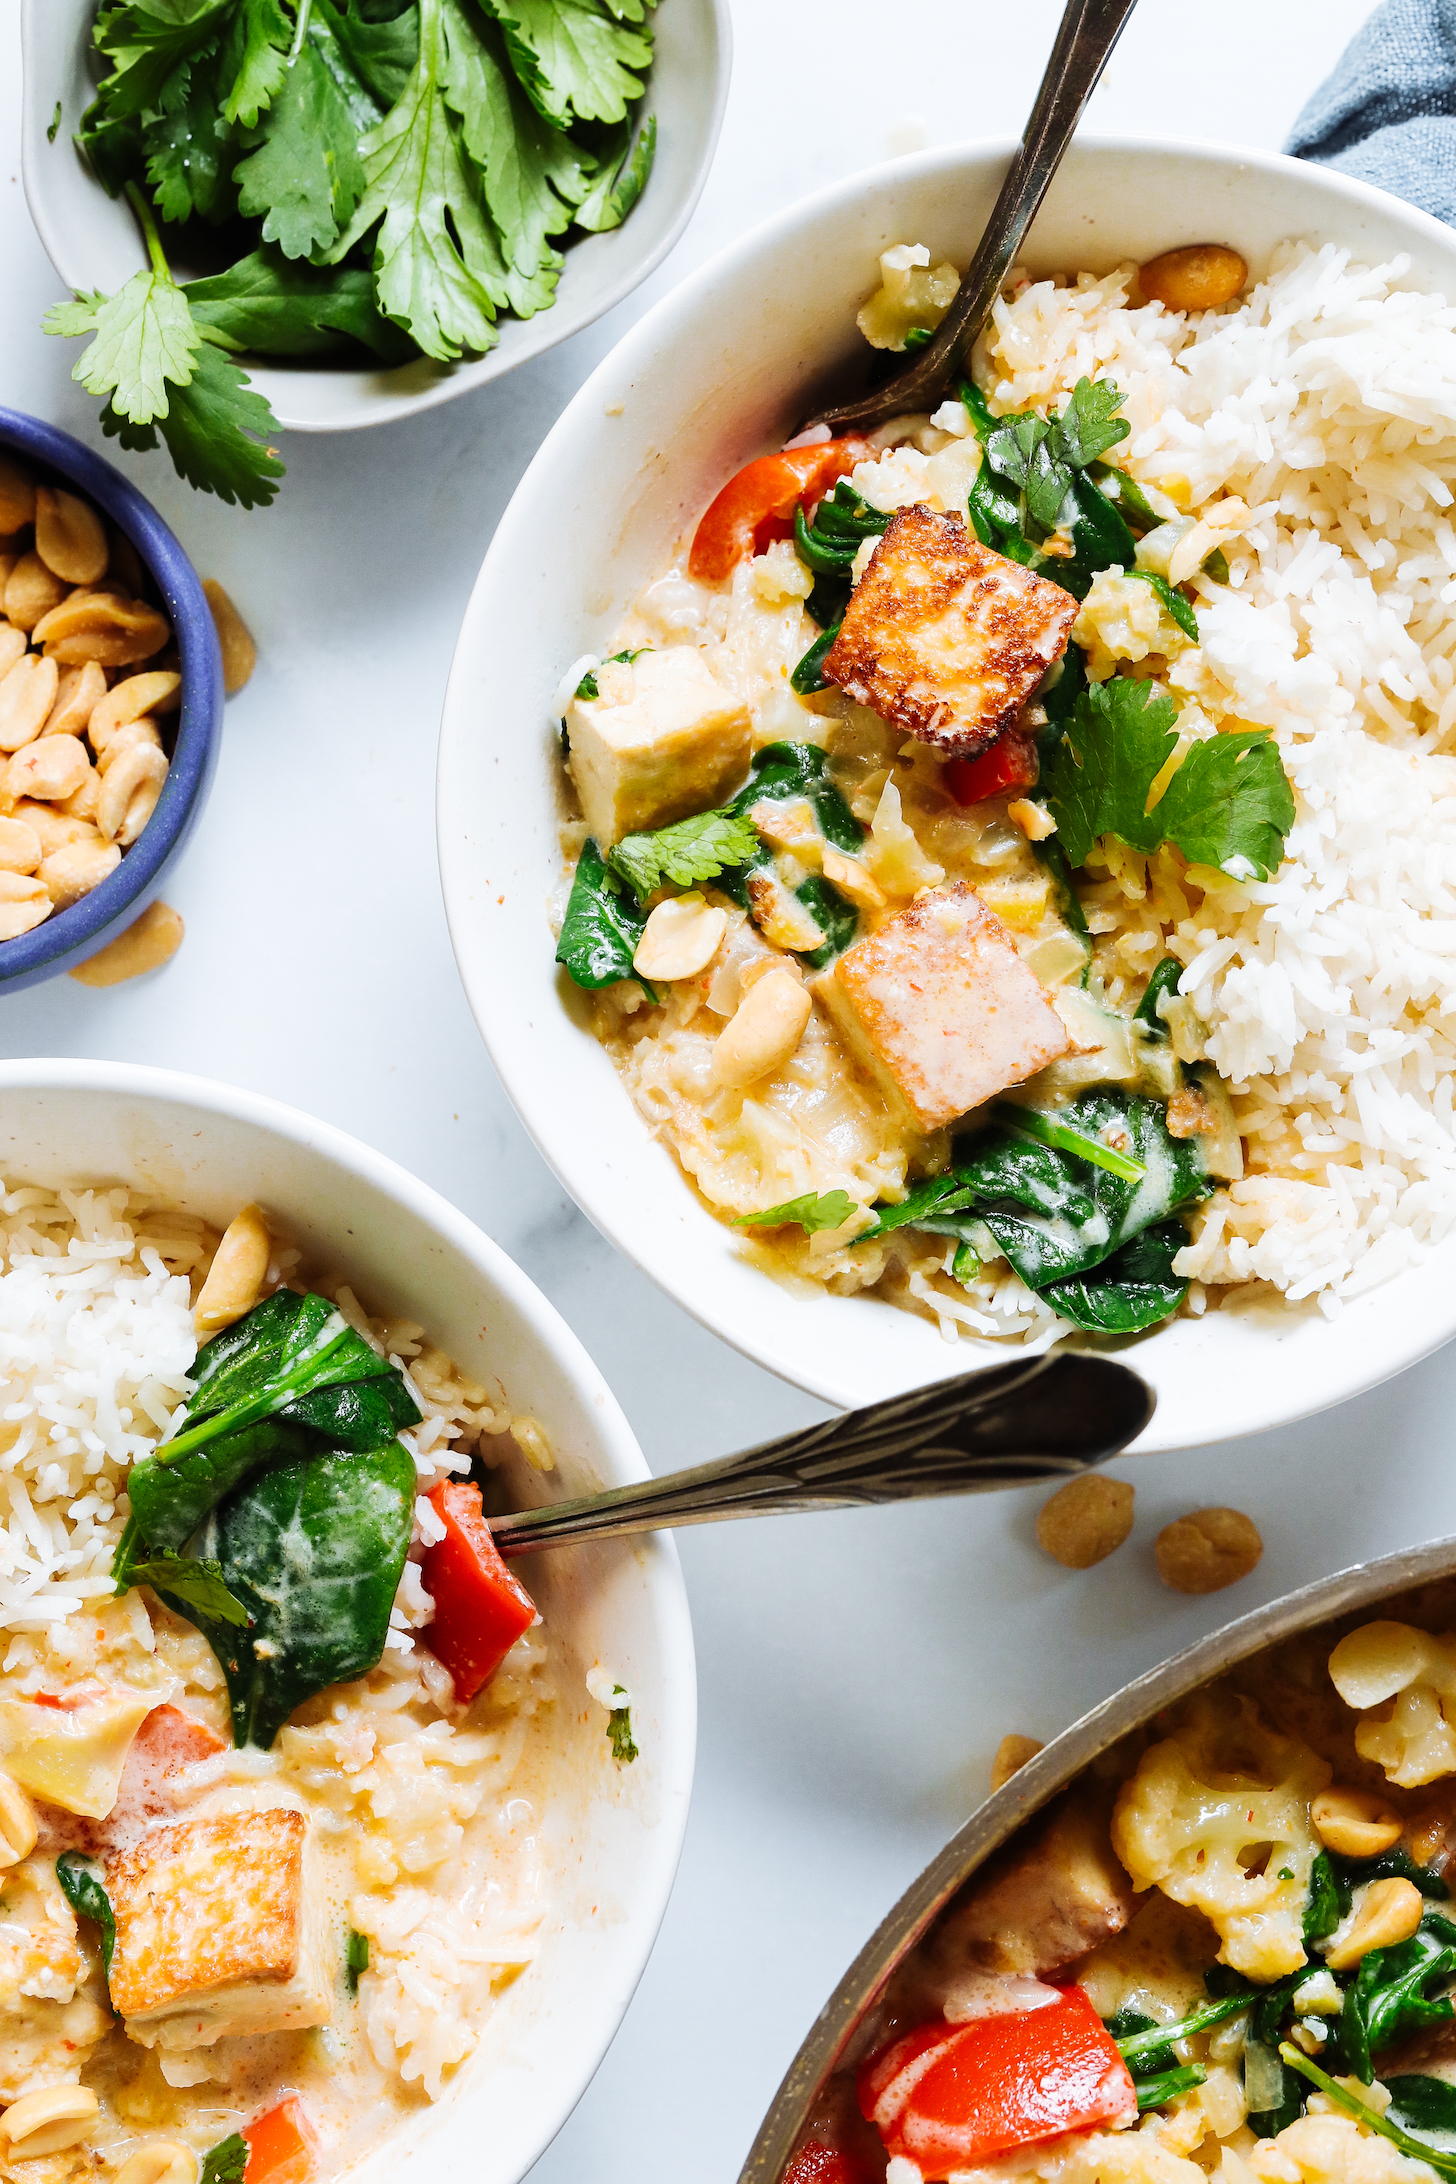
(611, 1843)
(93, 242)
(721, 370)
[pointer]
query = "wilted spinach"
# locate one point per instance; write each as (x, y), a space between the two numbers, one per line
(602, 926)
(1389, 1996)
(314, 1551)
(779, 772)
(89, 1900)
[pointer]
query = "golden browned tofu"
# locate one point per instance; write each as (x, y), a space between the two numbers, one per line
(939, 1001)
(217, 1930)
(945, 638)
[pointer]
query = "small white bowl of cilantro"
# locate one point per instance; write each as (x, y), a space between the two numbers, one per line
(326, 214)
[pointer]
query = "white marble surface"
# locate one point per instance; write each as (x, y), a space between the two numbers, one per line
(856, 1671)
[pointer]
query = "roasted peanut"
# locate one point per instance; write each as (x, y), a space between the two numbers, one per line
(680, 938)
(19, 846)
(31, 592)
(49, 768)
(1356, 1823)
(1200, 277)
(129, 700)
(129, 793)
(239, 653)
(12, 640)
(126, 739)
(764, 1030)
(69, 536)
(85, 802)
(26, 697)
(23, 903)
(1389, 1912)
(235, 1279)
(52, 826)
(17, 494)
(160, 2161)
(80, 691)
(1204, 1552)
(73, 870)
(1085, 1521)
(48, 2121)
(1012, 1753)
(853, 879)
(18, 1824)
(145, 946)
(98, 625)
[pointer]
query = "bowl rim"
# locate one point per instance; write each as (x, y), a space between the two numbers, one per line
(72, 934)
(621, 370)
(1361, 1585)
(447, 380)
(134, 1082)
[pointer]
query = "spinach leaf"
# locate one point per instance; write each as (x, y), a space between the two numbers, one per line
(1136, 508)
(89, 1900)
(1328, 1900)
(1100, 540)
(602, 926)
(1393, 1865)
(1173, 602)
(1144, 2062)
(201, 1584)
(283, 307)
(225, 2162)
(809, 675)
(1132, 1290)
(1133, 2031)
(314, 1551)
(779, 772)
(169, 1501)
(1389, 1996)
(1168, 2086)
(1422, 2104)
(1166, 975)
(1029, 1122)
(814, 1211)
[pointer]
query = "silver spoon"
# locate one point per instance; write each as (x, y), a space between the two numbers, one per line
(1089, 31)
(1048, 1417)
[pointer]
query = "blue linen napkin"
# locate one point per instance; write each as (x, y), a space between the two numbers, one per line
(1388, 113)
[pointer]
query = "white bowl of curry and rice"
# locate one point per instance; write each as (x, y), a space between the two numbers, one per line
(990, 886)
(307, 1868)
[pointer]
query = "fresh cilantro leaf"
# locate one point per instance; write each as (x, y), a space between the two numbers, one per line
(76, 317)
(190, 146)
(683, 855)
(200, 1584)
(572, 58)
(1089, 424)
(144, 41)
(306, 176)
(225, 2162)
(815, 1211)
(532, 174)
(588, 686)
(286, 307)
(1024, 450)
(145, 344)
(356, 1958)
(623, 177)
(216, 431)
(602, 927)
(255, 57)
(619, 1731)
(1230, 805)
(378, 51)
(1120, 736)
(437, 267)
(89, 1900)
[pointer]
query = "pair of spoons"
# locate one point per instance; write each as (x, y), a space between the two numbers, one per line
(1043, 1417)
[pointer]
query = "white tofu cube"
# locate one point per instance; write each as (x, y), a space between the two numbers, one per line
(945, 638)
(221, 1928)
(942, 1006)
(663, 739)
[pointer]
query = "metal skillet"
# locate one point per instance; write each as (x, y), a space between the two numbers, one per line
(1032, 1788)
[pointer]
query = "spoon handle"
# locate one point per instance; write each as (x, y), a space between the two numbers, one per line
(1088, 32)
(1041, 1418)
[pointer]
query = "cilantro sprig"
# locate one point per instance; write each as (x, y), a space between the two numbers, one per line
(159, 370)
(685, 854)
(816, 1210)
(1229, 803)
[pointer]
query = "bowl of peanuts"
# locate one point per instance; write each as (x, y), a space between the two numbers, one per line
(111, 695)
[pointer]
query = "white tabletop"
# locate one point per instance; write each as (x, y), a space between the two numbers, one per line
(856, 1671)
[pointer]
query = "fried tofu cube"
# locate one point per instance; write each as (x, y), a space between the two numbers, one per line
(942, 1006)
(219, 1930)
(663, 739)
(945, 638)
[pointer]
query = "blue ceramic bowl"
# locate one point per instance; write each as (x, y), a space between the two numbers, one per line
(71, 935)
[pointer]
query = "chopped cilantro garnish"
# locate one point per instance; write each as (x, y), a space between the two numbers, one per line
(356, 1958)
(225, 2162)
(619, 1733)
(814, 1211)
(686, 854)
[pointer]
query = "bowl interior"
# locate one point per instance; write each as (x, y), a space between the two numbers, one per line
(1033, 1787)
(70, 935)
(611, 1837)
(720, 370)
(92, 239)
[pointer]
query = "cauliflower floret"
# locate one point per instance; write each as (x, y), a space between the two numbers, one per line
(913, 292)
(1404, 1682)
(1217, 1816)
(1122, 618)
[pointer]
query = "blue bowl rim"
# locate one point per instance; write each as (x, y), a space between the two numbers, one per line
(70, 935)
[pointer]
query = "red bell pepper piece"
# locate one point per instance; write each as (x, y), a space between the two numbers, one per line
(948, 2096)
(281, 2146)
(480, 1609)
(757, 505)
(1007, 768)
(816, 2163)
